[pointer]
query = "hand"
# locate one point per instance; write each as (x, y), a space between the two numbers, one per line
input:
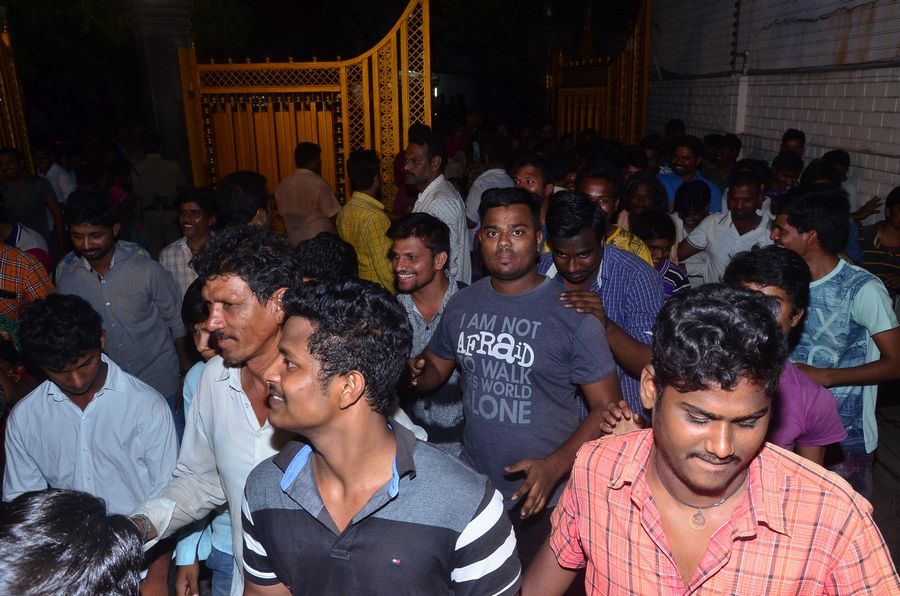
(186, 579)
(416, 366)
(819, 375)
(871, 207)
(618, 419)
(541, 477)
(891, 280)
(587, 302)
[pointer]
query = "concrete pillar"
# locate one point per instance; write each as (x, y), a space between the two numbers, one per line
(162, 27)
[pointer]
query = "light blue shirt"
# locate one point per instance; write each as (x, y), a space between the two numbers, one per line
(197, 545)
(671, 182)
(121, 447)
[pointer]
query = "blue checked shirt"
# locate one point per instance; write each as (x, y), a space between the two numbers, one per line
(632, 295)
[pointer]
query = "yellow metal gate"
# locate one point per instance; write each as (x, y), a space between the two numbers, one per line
(607, 94)
(13, 131)
(251, 116)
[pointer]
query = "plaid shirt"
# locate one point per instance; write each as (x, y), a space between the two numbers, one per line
(632, 295)
(176, 259)
(797, 530)
(22, 280)
(363, 223)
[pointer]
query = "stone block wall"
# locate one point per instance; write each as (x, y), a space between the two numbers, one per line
(831, 69)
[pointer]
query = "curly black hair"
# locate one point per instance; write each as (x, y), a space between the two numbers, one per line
(358, 326)
(263, 260)
(58, 330)
(715, 336)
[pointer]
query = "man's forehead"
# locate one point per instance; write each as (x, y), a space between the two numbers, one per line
(225, 285)
(514, 215)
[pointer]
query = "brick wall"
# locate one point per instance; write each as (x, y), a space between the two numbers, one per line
(829, 68)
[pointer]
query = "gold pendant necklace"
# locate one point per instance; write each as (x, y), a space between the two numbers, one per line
(697, 520)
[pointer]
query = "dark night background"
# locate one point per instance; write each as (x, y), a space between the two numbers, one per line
(81, 63)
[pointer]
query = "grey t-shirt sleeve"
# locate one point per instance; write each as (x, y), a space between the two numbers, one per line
(592, 359)
(441, 344)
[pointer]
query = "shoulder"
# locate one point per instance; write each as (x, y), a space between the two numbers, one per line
(138, 392)
(171, 250)
(29, 408)
(614, 458)
(445, 474)
(622, 259)
(263, 487)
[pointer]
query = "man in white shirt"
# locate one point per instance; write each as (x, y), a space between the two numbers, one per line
(437, 196)
(91, 426)
(245, 271)
(497, 155)
(723, 235)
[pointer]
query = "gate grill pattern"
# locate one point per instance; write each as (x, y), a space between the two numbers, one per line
(252, 115)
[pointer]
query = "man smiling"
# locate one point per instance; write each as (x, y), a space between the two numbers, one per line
(700, 496)
(378, 511)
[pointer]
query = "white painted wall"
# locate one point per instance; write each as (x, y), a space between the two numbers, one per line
(830, 68)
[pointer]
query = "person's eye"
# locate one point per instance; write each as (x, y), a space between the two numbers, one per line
(696, 420)
(748, 423)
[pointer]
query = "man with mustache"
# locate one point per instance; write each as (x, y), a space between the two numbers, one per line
(701, 504)
(137, 298)
(687, 158)
(425, 159)
(245, 271)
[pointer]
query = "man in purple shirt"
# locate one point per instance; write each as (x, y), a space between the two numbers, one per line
(806, 417)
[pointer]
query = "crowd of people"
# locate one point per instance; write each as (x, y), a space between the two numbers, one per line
(549, 365)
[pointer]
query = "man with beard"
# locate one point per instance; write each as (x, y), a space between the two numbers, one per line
(523, 357)
(137, 298)
(423, 170)
(700, 504)
(90, 426)
(722, 236)
(245, 271)
(420, 253)
(686, 161)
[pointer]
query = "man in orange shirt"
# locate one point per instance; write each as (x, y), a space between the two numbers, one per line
(700, 504)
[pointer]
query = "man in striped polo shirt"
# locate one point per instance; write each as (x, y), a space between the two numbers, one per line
(359, 506)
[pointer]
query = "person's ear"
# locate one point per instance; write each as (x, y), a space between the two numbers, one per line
(648, 388)
(797, 317)
(440, 260)
(352, 388)
(275, 304)
(115, 230)
(102, 339)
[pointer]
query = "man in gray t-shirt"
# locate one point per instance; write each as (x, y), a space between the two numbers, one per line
(523, 357)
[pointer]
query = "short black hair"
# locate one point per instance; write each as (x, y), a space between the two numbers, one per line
(150, 141)
(363, 166)
(733, 142)
(661, 199)
(205, 198)
(837, 157)
(788, 161)
(91, 208)
(675, 127)
(433, 233)
(12, 152)
(570, 213)
(772, 266)
(758, 167)
(745, 178)
(715, 336)
(241, 195)
(694, 144)
(893, 197)
(194, 310)
(714, 140)
(822, 208)
(261, 259)
(306, 152)
(819, 169)
(653, 225)
(506, 197)
(536, 161)
(59, 541)
(498, 151)
(358, 326)
(434, 146)
(603, 170)
(636, 158)
(326, 256)
(794, 134)
(58, 329)
(692, 197)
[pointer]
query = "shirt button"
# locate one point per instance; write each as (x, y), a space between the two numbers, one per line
(108, 303)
